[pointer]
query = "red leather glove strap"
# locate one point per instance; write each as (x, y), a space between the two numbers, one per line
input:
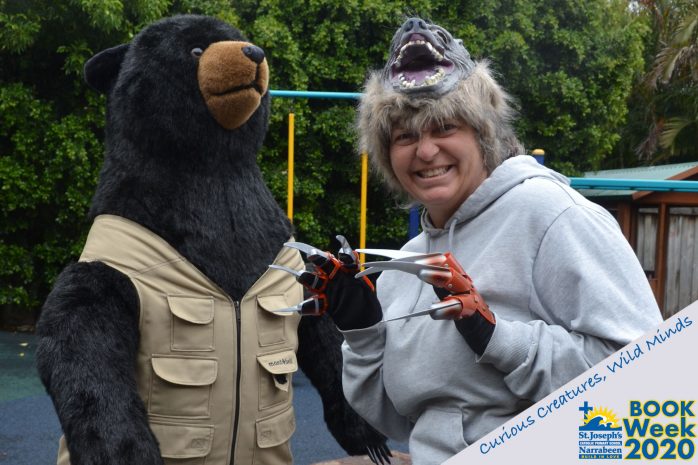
(472, 303)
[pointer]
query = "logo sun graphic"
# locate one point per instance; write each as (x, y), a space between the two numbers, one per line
(606, 417)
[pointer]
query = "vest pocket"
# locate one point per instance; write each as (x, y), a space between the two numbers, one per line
(275, 378)
(192, 323)
(271, 327)
(181, 386)
(183, 444)
(273, 436)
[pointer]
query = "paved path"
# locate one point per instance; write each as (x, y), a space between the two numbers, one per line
(29, 429)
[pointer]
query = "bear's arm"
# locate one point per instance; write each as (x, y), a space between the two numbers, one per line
(88, 339)
(320, 358)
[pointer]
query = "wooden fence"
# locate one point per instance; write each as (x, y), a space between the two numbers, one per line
(682, 254)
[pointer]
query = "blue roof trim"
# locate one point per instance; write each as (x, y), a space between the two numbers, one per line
(635, 184)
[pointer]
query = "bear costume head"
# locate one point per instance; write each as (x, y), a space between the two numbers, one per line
(187, 112)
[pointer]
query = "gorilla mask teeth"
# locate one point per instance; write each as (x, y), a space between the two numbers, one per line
(426, 60)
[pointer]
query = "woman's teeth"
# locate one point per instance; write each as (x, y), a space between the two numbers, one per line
(432, 172)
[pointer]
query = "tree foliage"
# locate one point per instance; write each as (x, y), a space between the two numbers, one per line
(570, 64)
(669, 89)
(51, 129)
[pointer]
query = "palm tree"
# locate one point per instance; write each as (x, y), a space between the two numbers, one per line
(672, 81)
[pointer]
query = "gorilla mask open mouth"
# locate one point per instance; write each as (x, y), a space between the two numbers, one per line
(425, 60)
(419, 62)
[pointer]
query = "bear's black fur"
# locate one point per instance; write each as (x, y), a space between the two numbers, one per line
(171, 167)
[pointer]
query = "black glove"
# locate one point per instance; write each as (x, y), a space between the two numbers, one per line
(351, 302)
(475, 329)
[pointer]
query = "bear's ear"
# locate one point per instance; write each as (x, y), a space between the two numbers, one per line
(102, 69)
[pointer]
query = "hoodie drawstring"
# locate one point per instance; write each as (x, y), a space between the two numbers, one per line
(451, 231)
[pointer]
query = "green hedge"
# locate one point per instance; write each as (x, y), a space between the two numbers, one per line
(571, 65)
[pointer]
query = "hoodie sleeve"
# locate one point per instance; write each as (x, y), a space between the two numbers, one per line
(589, 298)
(362, 379)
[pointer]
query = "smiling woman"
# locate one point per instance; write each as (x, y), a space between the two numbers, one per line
(558, 286)
(439, 166)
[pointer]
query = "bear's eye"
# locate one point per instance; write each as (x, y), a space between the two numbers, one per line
(196, 52)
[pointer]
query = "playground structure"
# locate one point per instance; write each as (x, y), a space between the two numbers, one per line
(652, 185)
(642, 186)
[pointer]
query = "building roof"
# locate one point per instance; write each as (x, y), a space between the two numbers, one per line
(660, 172)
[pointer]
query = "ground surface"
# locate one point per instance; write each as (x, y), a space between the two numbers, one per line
(29, 429)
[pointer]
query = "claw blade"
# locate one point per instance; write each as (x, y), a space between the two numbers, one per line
(405, 266)
(344, 243)
(410, 315)
(346, 254)
(311, 306)
(425, 259)
(286, 311)
(372, 455)
(390, 253)
(446, 310)
(443, 310)
(295, 273)
(367, 272)
(305, 248)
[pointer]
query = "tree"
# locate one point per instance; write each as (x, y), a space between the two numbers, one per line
(51, 131)
(325, 45)
(569, 63)
(671, 82)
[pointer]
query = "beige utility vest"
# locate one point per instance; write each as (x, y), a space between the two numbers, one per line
(214, 375)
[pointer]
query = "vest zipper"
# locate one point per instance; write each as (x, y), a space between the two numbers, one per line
(237, 378)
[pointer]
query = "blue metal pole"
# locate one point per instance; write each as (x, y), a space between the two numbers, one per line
(635, 184)
(413, 227)
(539, 155)
(314, 94)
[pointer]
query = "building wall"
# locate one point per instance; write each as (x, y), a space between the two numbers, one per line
(682, 259)
(681, 285)
(646, 239)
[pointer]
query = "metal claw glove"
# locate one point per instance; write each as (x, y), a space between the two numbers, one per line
(475, 328)
(352, 303)
(459, 299)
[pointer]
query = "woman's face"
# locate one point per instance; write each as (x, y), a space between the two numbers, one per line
(439, 167)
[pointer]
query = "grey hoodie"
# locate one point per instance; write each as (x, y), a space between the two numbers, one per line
(562, 281)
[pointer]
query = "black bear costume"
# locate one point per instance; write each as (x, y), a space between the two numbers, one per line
(149, 344)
